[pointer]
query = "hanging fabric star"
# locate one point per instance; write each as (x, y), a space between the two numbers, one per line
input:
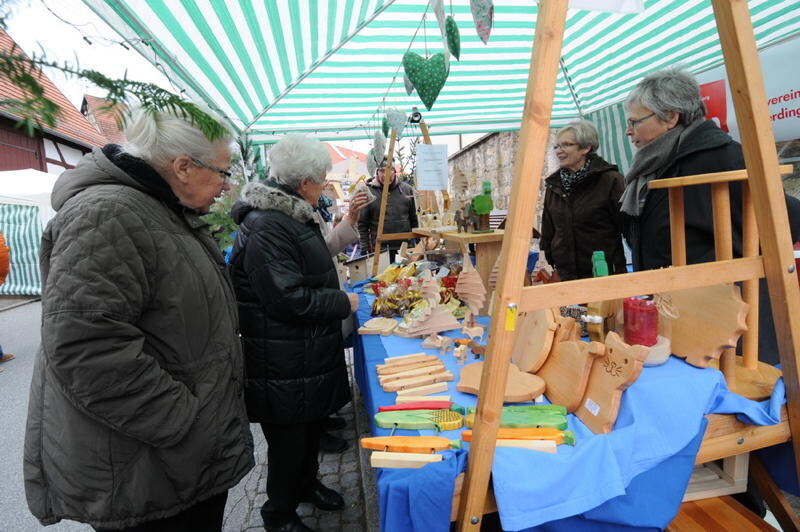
(427, 75)
(483, 15)
(453, 37)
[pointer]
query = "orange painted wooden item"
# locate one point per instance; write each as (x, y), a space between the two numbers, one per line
(610, 376)
(566, 372)
(534, 433)
(536, 330)
(520, 386)
(711, 319)
(406, 444)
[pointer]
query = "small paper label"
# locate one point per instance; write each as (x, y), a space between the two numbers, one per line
(511, 318)
(591, 406)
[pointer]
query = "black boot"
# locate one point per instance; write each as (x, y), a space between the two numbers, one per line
(294, 525)
(329, 443)
(323, 497)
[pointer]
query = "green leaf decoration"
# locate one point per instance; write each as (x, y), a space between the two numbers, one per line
(426, 75)
(385, 127)
(453, 37)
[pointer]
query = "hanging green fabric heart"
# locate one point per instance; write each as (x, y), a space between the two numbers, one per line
(385, 127)
(453, 37)
(427, 75)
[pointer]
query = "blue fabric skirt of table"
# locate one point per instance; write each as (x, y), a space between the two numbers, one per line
(631, 478)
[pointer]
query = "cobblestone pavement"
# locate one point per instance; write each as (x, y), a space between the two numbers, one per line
(342, 472)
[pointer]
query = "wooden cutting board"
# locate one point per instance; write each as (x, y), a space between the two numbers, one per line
(535, 331)
(566, 371)
(710, 320)
(610, 376)
(520, 386)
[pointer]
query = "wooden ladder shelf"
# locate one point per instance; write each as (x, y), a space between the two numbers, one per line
(763, 202)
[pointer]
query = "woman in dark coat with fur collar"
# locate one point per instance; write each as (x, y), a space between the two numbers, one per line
(290, 313)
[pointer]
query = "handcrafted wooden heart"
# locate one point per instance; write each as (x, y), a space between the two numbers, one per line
(453, 37)
(427, 75)
(520, 386)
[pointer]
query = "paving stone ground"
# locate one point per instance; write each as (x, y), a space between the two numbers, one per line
(343, 472)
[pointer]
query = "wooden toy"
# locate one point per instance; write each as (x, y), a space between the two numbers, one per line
(610, 376)
(407, 444)
(391, 369)
(406, 399)
(558, 436)
(520, 386)
(566, 371)
(420, 419)
(568, 329)
(382, 326)
(416, 382)
(526, 419)
(417, 372)
(460, 353)
(543, 408)
(534, 338)
(428, 389)
(545, 446)
(390, 460)
(710, 320)
(431, 404)
(470, 288)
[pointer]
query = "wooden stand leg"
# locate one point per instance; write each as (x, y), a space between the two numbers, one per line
(773, 496)
(486, 255)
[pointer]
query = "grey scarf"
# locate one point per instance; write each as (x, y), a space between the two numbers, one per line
(647, 163)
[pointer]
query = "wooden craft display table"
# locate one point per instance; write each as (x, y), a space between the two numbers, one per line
(487, 249)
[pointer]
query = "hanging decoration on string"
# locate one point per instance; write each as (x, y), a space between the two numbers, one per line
(379, 145)
(385, 127)
(453, 37)
(427, 75)
(372, 164)
(396, 119)
(438, 10)
(483, 15)
(408, 84)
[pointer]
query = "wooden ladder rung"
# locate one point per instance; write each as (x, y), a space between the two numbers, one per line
(703, 179)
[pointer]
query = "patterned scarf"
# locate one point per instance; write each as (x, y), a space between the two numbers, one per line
(570, 179)
(322, 207)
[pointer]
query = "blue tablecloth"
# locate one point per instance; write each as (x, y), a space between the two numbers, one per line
(633, 477)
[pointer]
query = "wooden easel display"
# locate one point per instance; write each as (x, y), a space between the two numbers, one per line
(724, 438)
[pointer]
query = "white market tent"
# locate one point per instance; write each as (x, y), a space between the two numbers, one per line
(331, 67)
(24, 210)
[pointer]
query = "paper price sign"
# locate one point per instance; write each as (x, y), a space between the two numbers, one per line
(432, 171)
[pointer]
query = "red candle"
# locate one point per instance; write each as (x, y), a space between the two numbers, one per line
(641, 321)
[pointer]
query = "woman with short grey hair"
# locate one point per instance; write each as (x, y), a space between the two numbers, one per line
(136, 418)
(290, 313)
(581, 213)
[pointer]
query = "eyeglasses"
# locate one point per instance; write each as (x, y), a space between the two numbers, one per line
(633, 123)
(564, 145)
(226, 175)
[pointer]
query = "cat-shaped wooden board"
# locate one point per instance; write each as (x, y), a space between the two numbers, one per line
(566, 371)
(610, 376)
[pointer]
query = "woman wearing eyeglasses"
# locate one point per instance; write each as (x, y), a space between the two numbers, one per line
(291, 310)
(581, 206)
(667, 125)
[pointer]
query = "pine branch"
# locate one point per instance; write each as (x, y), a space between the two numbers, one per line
(36, 110)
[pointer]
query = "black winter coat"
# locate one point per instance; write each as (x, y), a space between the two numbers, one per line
(290, 309)
(587, 220)
(401, 215)
(707, 149)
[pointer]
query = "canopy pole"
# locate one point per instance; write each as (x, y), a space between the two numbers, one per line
(528, 167)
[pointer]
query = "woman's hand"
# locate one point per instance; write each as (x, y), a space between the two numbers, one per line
(353, 301)
(356, 203)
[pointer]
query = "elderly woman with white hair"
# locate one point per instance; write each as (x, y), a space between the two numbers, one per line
(581, 206)
(290, 311)
(136, 419)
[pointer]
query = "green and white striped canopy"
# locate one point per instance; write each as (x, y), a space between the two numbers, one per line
(331, 67)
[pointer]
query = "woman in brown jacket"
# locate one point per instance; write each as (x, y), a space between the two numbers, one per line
(581, 206)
